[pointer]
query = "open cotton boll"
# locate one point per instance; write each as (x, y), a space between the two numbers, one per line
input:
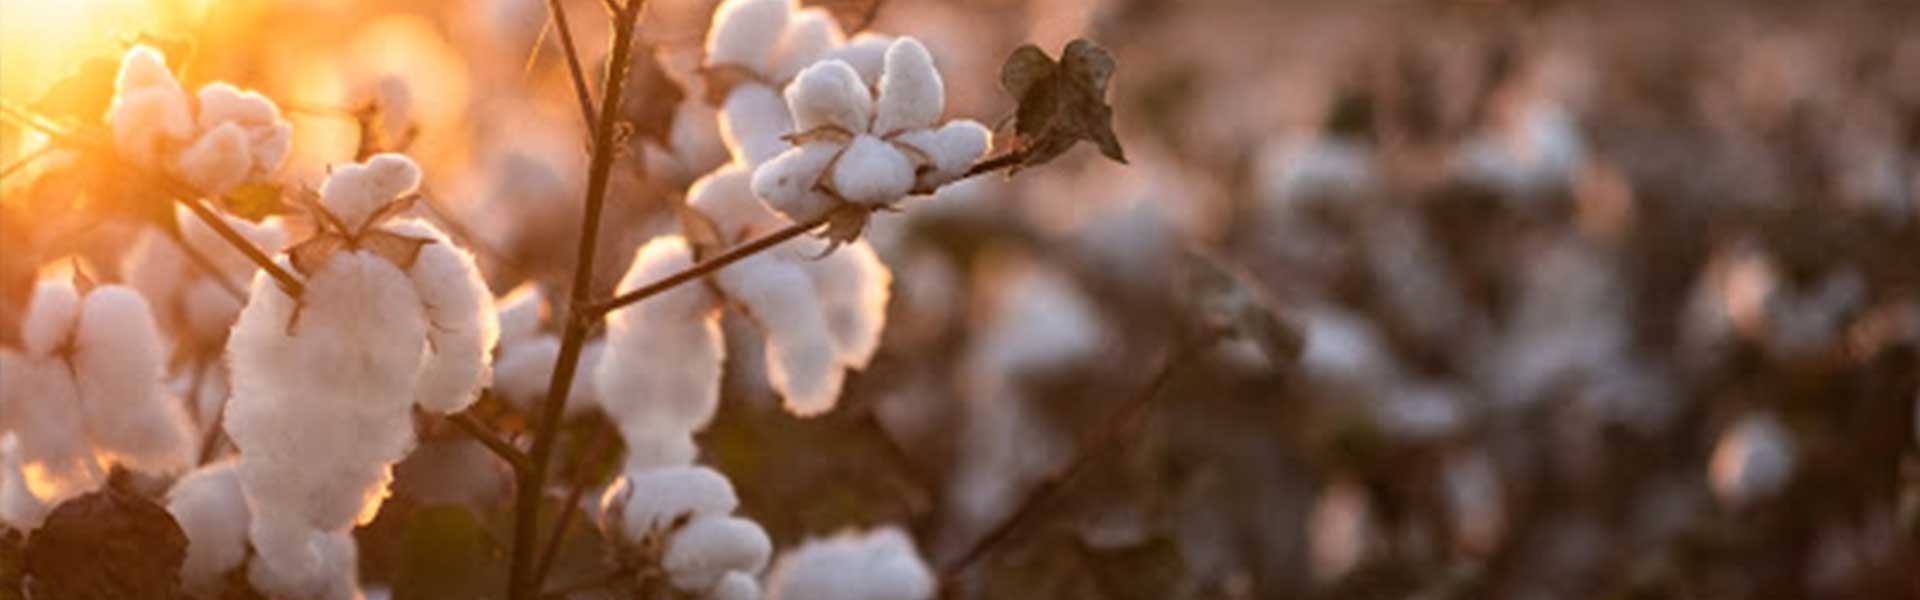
(744, 32)
(1753, 460)
(726, 196)
(866, 53)
(336, 578)
(210, 509)
(43, 409)
(911, 93)
(655, 497)
(853, 285)
(268, 136)
(872, 172)
(752, 120)
(710, 547)
(149, 108)
(459, 309)
(735, 586)
(520, 313)
(119, 364)
(19, 509)
(662, 366)
(802, 362)
(354, 192)
(953, 148)
(829, 92)
(651, 446)
(881, 565)
(217, 162)
(50, 318)
(789, 183)
(810, 34)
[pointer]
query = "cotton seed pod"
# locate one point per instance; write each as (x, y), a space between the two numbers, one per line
(789, 183)
(802, 362)
(829, 93)
(912, 96)
(710, 547)
(952, 149)
(810, 35)
(744, 32)
(218, 161)
(751, 122)
(354, 192)
(871, 171)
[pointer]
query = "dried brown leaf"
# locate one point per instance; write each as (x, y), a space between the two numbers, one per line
(1060, 103)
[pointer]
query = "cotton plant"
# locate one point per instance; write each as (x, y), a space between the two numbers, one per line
(677, 519)
(84, 393)
(216, 140)
(212, 511)
(880, 564)
(753, 49)
(392, 315)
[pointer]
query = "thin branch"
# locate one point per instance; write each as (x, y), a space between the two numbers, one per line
(481, 433)
(209, 439)
(181, 192)
(23, 161)
(1099, 443)
(557, 11)
(601, 445)
(521, 583)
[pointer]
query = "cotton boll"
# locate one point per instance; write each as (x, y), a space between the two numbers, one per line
(1753, 460)
(217, 162)
(735, 586)
(726, 196)
(882, 565)
(50, 318)
(953, 148)
(19, 509)
(866, 53)
(745, 31)
(210, 509)
(912, 95)
(872, 172)
(354, 192)
(752, 120)
(853, 285)
(463, 327)
(829, 92)
(43, 409)
(336, 578)
(656, 497)
(810, 34)
(789, 183)
(149, 108)
(520, 313)
(651, 446)
(119, 364)
(662, 367)
(710, 547)
(268, 137)
(802, 362)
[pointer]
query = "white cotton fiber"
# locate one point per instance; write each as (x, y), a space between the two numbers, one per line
(43, 409)
(953, 148)
(866, 53)
(662, 366)
(149, 108)
(462, 327)
(882, 565)
(790, 182)
(1753, 460)
(354, 192)
(872, 172)
(217, 162)
(208, 308)
(751, 122)
(52, 313)
(119, 363)
(829, 93)
(735, 586)
(524, 369)
(336, 578)
(520, 313)
(810, 34)
(269, 235)
(656, 497)
(651, 446)
(911, 93)
(19, 509)
(710, 547)
(802, 363)
(852, 285)
(726, 197)
(210, 509)
(268, 136)
(744, 32)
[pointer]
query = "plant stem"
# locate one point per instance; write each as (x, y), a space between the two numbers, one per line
(500, 447)
(1096, 444)
(558, 10)
(521, 583)
(179, 191)
(27, 159)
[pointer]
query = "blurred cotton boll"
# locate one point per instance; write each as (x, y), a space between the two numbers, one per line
(1753, 461)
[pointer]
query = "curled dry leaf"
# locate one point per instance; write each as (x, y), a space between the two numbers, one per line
(1060, 103)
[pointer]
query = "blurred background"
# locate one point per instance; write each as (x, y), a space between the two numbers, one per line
(1560, 299)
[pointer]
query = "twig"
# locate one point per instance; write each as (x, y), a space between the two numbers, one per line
(601, 444)
(558, 11)
(1099, 443)
(521, 583)
(181, 192)
(210, 439)
(481, 433)
(23, 161)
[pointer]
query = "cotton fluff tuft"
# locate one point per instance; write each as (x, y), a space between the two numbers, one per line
(708, 548)
(149, 111)
(735, 586)
(789, 183)
(853, 285)
(744, 32)
(751, 122)
(51, 315)
(912, 96)
(829, 93)
(218, 161)
(662, 367)
(872, 172)
(802, 362)
(653, 498)
(880, 565)
(236, 137)
(354, 192)
(210, 509)
(19, 508)
(119, 363)
(810, 34)
(866, 53)
(952, 149)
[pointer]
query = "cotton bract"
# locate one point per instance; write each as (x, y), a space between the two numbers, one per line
(236, 136)
(324, 384)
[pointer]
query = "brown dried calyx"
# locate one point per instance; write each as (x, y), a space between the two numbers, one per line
(333, 236)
